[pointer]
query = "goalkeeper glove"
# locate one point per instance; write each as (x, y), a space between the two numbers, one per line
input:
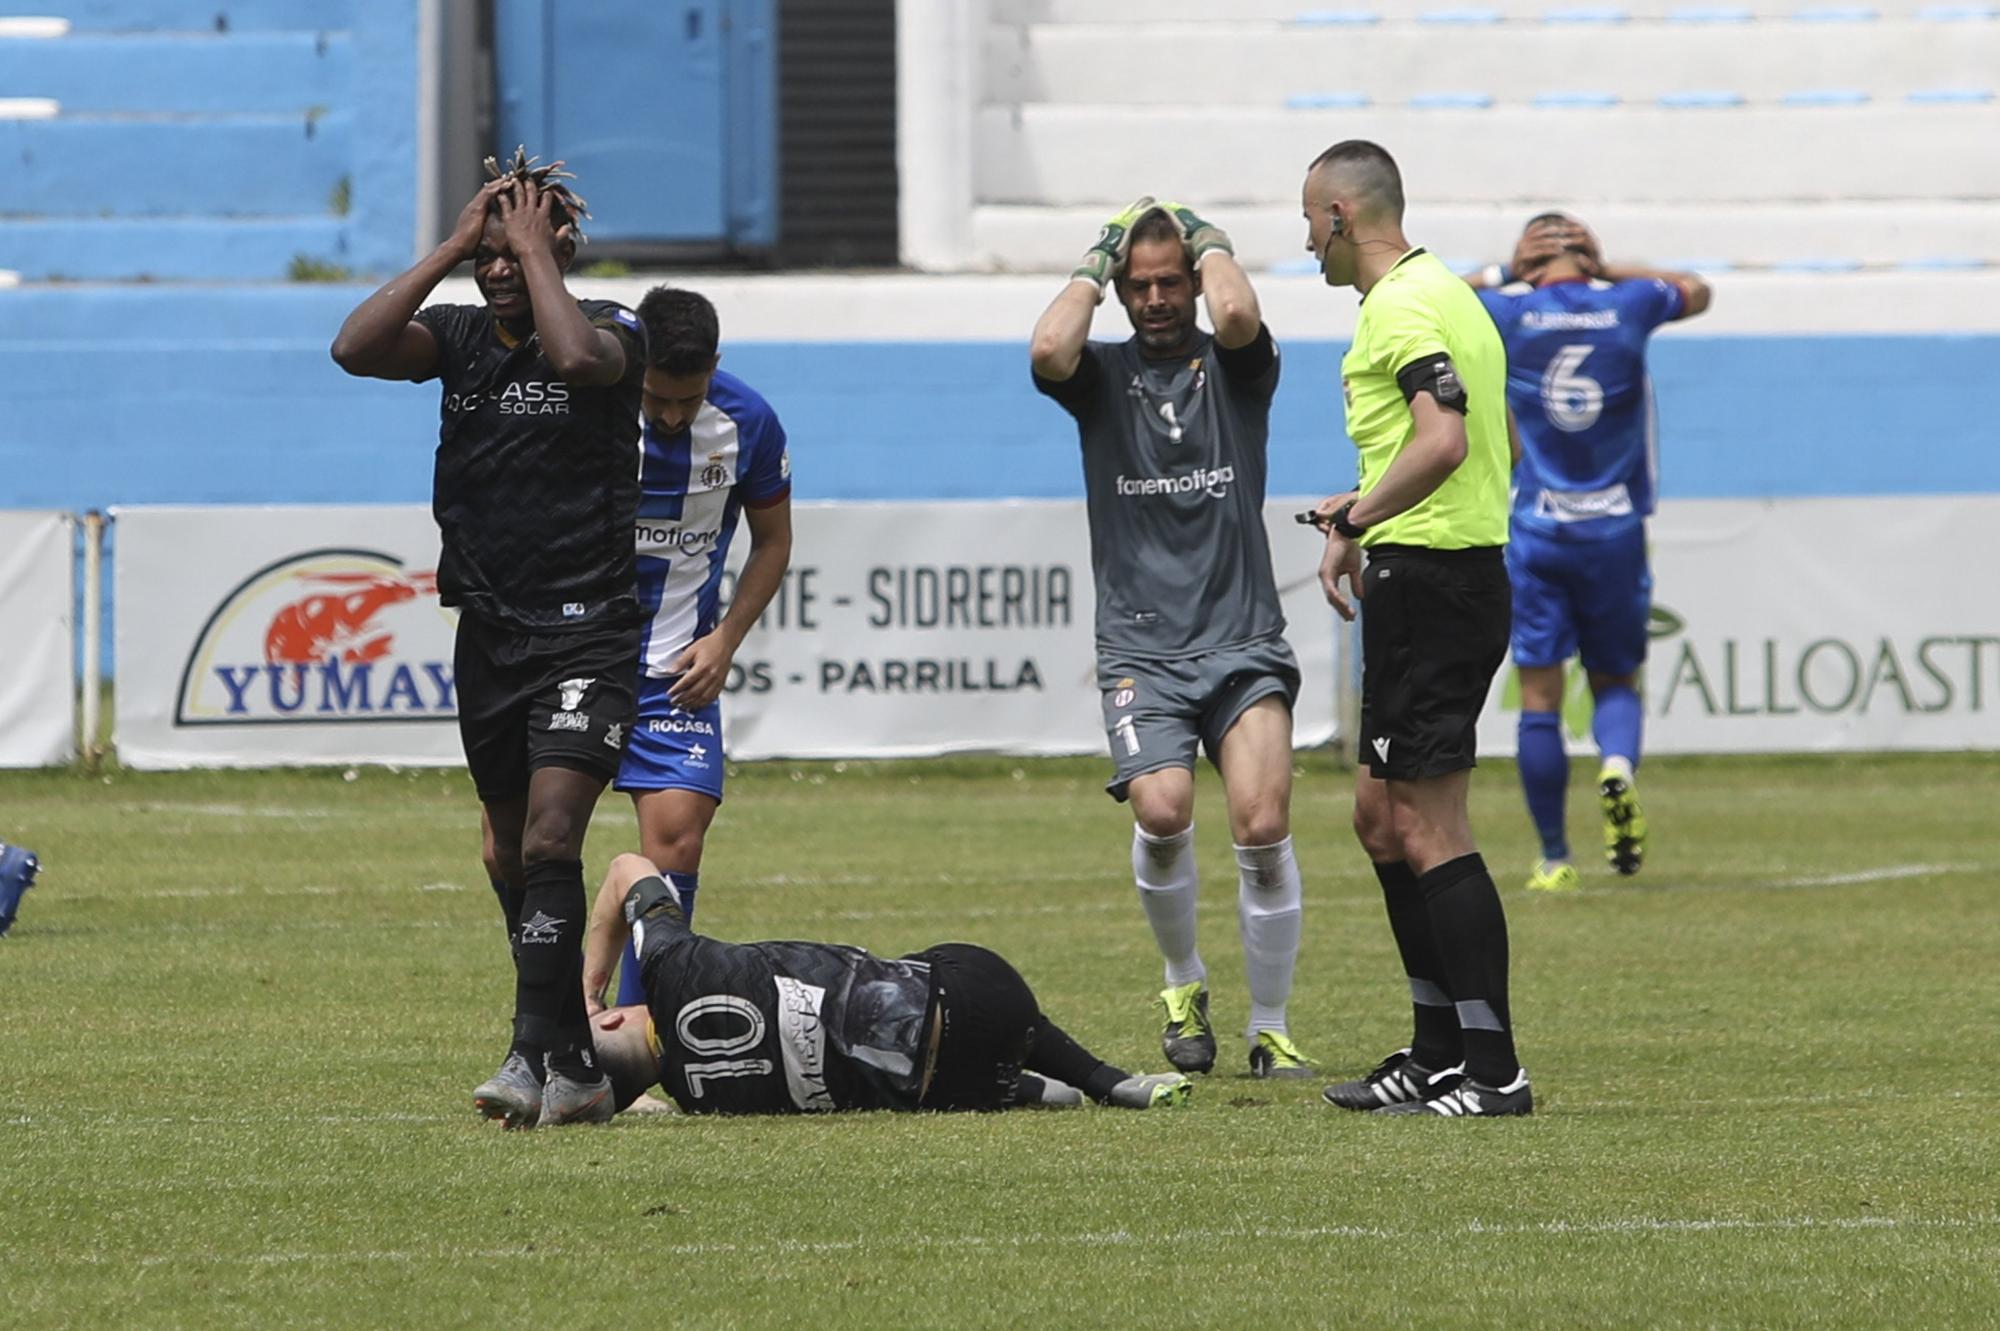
(1199, 236)
(1102, 261)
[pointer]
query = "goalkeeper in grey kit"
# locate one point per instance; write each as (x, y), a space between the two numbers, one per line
(797, 1027)
(1191, 654)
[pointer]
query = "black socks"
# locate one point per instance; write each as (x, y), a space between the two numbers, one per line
(548, 969)
(1436, 1044)
(1470, 933)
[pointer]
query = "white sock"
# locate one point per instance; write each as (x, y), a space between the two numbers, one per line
(1618, 765)
(1163, 867)
(1269, 903)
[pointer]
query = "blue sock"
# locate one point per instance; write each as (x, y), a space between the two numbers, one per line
(1545, 779)
(1617, 724)
(630, 991)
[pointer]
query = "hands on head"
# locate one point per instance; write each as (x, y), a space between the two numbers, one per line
(1106, 259)
(1549, 239)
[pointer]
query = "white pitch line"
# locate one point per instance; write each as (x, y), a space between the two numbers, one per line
(1887, 874)
(1117, 1238)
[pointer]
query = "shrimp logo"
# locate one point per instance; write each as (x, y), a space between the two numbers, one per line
(323, 637)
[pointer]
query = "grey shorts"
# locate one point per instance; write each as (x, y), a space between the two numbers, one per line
(1157, 712)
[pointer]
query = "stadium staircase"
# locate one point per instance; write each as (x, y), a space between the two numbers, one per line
(1781, 136)
(217, 140)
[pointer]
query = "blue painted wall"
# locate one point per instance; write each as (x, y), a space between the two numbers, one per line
(226, 395)
(130, 395)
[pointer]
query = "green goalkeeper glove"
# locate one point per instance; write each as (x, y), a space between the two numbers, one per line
(1199, 236)
(1101, 262)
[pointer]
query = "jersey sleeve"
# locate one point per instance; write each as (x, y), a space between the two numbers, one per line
(1254, 365)
(1077, 394)
(1408, 331)
(767, 481)
(447, 324)
(1653, 300)
(625, 326)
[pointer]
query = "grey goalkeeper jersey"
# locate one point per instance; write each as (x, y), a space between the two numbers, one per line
(1173, 472)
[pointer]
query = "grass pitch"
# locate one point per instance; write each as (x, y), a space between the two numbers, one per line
(242, 1014)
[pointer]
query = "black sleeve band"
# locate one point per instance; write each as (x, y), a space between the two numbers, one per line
(1436, 375)
(1251, 360)
(651, 900)
(1076, 392)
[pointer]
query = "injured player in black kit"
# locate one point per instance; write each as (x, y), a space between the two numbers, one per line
(801, 1027)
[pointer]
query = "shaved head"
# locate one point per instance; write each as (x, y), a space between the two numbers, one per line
(1364, 172)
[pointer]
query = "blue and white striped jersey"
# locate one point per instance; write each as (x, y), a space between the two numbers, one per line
(692, 486)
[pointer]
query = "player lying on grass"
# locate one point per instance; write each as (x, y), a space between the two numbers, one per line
(792, 1027)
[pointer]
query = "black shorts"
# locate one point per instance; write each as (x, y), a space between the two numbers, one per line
(528, 700)
(1434, 627)
(989, 1019)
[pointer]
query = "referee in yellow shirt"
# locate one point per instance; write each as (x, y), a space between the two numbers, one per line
(1425, 387)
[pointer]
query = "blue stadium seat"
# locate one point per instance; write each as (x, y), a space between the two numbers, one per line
(1586, 14)
(155, 73)
(1451, 101)
(1958, 13)
(197, 165)
(1340, 18)
(1949, 96)
(198, 15)
(1825, 97)
(1709, 14)
(1562, 101)
(172, 249)
(1473, 17)
(1321, 101)
(1701, 98)
(1835, 14)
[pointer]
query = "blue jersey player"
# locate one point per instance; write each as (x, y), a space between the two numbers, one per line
(1575, 330)
(712, 448)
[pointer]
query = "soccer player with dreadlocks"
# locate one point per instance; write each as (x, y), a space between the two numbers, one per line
(536, 493)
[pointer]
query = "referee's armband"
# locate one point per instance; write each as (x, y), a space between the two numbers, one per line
(1436, 375)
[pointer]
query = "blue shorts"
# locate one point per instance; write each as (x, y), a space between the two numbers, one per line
(670, 749)
(1588, 597)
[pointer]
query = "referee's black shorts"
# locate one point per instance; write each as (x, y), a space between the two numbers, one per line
(1434, 629)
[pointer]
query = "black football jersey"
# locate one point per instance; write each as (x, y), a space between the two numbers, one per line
(777, 1028)
(537, 482)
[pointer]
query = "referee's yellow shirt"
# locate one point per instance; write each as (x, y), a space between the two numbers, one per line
(1418, 309)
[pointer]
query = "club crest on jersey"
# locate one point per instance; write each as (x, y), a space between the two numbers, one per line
(714, 476)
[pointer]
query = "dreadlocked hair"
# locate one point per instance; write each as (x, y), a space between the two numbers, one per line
(567, 207)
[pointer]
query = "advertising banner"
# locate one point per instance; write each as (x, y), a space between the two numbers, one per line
(275, 636)
(37, 639)
(1811, 625)
(908, 629)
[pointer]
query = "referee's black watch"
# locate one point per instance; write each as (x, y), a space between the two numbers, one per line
(1343, 521)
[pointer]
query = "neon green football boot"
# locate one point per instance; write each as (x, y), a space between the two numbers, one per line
(1624, 822)
(1560, 876)
(1188, 1039)
(1274, 1055)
